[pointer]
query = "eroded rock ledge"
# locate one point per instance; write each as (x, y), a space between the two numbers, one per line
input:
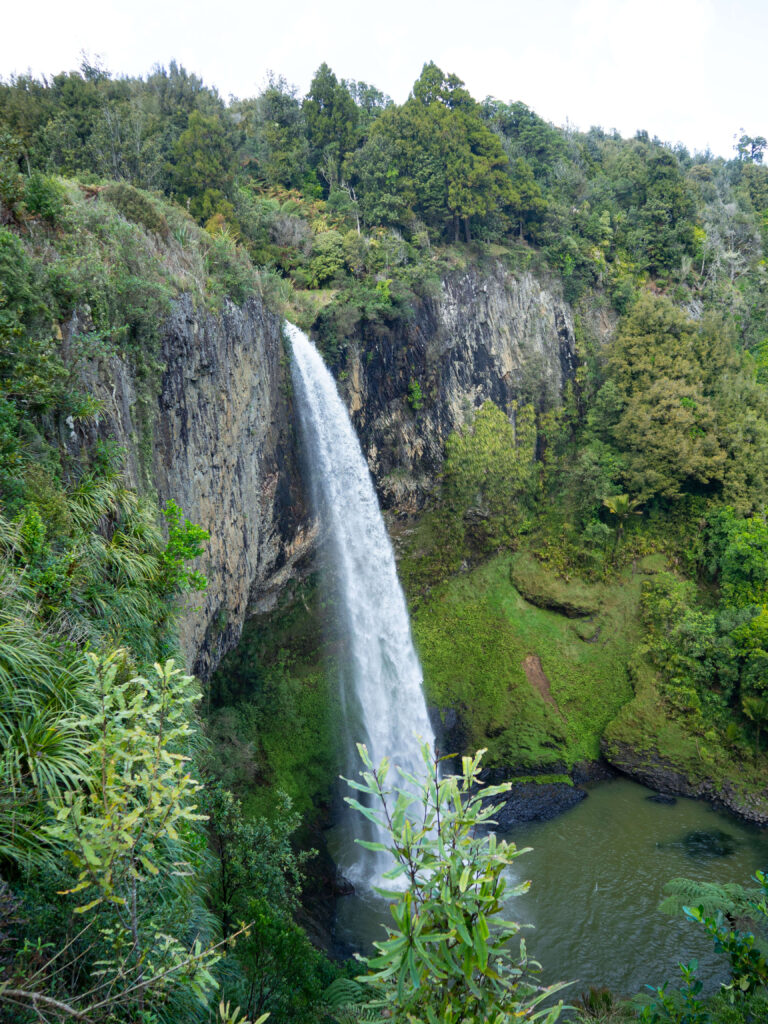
(650, 769)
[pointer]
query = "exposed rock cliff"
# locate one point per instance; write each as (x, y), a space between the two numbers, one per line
(487, 335)
(220, 442)
(224, 449)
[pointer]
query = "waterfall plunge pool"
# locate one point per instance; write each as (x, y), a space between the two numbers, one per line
(597, 876)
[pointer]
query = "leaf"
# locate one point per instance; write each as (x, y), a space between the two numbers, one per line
(88, 906)
(148, 865)
(481, 949)
(90, 854)
(365, 811)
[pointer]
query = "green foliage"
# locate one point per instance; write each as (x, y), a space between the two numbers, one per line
(11, 181)
(201, 165)
(490, 477)
(738, 557)
(327, 256)
(447, 957)
(748, 964)
(677, 1006)
(130, 819)
(186, 541)
(140, 733)
(280, 681)
(136, 206)
(43, 693)
(44, 196)
(252, 855)
(282, 973)
(415, 395)
(730, 898)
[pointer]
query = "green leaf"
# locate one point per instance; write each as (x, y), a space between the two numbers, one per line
(376, 847)
(481, 950)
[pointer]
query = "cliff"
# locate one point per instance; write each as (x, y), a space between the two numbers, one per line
(218, 435)
(488, 334)
(218, 439)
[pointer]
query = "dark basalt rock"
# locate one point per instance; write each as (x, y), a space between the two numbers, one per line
(662, 798)
(651, 769)
(537, 801)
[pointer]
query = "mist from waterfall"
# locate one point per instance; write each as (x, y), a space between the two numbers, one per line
(381, 679)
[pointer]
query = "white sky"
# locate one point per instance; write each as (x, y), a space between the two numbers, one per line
(685, 70)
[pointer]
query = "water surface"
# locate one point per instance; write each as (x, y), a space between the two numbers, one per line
(597, 876)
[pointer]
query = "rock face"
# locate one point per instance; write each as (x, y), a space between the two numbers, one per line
(487, 335)
(654, 771)
(224, 450)
(221, 444)
(220, 439)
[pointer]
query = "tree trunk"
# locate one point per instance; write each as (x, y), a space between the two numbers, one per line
(455, 227)
(466, 230)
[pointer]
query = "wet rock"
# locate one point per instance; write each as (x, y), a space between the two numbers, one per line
(342, 886)
(537, 801)
(649, 768)
(592, 771)
(662, 798)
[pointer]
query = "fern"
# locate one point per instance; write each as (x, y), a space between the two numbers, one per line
(729, 898)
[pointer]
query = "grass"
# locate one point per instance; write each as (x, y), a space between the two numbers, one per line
(473, 633)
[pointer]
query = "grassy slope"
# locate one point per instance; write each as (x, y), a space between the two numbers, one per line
(473, 633)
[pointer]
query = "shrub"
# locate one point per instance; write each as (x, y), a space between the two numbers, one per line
(136, 207)
(447, 958)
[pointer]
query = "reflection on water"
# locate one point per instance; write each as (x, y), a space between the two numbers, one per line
(598, 873)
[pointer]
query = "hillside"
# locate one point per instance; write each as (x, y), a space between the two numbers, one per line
(553, 348)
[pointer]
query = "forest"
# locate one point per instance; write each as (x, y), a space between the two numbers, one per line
(159, 835)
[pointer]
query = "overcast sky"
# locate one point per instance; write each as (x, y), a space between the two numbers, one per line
(689, 71)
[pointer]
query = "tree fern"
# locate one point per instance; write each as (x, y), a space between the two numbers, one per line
(729, 898)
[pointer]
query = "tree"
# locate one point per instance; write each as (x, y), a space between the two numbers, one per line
(666, 371)
(490, 472)
(331, 117)
(436, 157)
(251, 856)
(201, 165)
(621, 507)
(751, 149)
(276, 140)
(447, 957)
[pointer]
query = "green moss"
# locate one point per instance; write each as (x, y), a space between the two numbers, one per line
(647, 731)
(475, 631)
(540, 587)
(275, 704)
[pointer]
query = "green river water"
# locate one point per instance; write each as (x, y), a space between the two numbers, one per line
(597, 875)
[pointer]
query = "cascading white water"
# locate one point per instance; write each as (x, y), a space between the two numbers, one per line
(381, 677)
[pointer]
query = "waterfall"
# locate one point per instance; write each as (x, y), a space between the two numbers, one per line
(381, 678)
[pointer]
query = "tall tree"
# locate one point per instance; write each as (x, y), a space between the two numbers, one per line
(331, 117)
